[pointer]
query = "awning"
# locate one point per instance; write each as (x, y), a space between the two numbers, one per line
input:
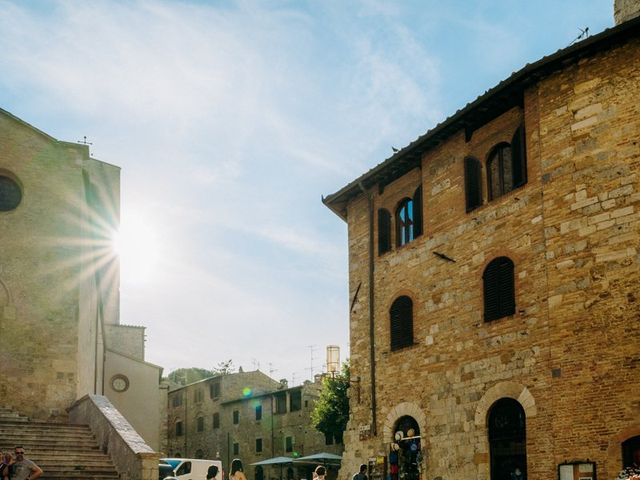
(322, 457)
(275, 461)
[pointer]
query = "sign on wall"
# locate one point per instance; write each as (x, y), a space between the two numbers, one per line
(577, 471)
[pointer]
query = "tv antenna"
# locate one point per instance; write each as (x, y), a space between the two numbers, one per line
(84, 141)
(584, 33)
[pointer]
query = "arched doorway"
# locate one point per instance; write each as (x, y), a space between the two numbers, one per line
(631, 452)
(507, 440)
(405, 457)
(259, 473)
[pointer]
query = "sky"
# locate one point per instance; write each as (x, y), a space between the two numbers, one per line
(231, 119)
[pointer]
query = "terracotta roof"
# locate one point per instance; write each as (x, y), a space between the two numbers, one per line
(492, 103)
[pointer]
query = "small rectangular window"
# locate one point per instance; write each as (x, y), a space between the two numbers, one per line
(258, 412)
(236, 449)
(295, 400)
(216, 420)
(214, 390)
(179, 429)
(288, 444)
(198, 395)
(177, 399)
(328, 439)
(281, 403)
(200, 424)
(258, 445)
(236, 417)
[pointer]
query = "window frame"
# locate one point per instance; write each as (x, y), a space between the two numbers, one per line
(499, 289)
(401, 333)
(405, 207)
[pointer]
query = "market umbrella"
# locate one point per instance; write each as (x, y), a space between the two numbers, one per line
(275, 461)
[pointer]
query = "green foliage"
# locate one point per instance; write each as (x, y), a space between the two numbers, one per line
(331, 412)
(223, 368)
(183, 376)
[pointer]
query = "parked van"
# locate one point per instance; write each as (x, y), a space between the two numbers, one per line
(188, 468)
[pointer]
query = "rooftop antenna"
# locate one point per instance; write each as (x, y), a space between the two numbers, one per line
(311, 350)
(272, 370)
(584, 33)
(256, 364)
(84, 141)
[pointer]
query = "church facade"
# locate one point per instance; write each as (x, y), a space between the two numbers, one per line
(494, 279)
(61, 337)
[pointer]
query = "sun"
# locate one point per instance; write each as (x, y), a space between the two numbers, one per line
(138, 246)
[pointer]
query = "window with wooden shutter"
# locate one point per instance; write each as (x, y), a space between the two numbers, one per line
(404, 222)
(472, 183)
(500, 171)
(499, 289)
(519, 157)
(417, 212)
(401, 323)
(384, 231)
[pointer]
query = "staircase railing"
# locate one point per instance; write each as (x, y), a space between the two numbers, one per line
(132, 457)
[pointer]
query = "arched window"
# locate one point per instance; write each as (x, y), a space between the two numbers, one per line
(404, 222)
(384, 231)
(10, 194)
(499, 289)
(472, 183)
(401, 323)
(500, 171)
(507, 439)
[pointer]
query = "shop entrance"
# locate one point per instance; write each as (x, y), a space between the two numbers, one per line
(405, 456)
(507, 440)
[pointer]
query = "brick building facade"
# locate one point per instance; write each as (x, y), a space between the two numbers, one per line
(246, 415)
(495, 281)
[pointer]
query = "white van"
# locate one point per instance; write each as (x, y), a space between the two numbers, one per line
(188, 468)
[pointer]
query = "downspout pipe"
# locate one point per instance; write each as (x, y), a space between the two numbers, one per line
(372, 357)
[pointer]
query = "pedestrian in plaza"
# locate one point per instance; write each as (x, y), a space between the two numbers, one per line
(320, 472)
(362, 473)
(6, 461)
(23, 468)
(212, 472)
(236, 470)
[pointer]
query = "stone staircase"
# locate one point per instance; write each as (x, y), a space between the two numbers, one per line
(62, 451)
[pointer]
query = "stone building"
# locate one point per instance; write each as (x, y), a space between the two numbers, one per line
(246, 415)
(59, 285)
(494, 273)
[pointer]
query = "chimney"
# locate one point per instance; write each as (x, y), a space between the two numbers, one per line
(624, 10)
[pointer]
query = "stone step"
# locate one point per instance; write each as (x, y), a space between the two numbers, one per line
(37, 436)
(43, 426)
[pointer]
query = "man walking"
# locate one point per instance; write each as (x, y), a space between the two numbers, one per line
(23, 468)
(362, 474)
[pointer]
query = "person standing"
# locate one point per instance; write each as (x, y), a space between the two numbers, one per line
(236, 470)
(320, 472)
(6, 461)
(23, 468)
(362, 474)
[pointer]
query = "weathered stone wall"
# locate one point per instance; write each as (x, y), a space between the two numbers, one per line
(624, 10)
(41, 269)
(569, 354)
(132, 457)
(126, 339)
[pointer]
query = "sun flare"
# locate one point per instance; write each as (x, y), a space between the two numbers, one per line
(137, 244)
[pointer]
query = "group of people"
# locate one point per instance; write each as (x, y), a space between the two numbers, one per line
(18, 467)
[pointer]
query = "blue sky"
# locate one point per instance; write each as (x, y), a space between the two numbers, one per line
(230, 119)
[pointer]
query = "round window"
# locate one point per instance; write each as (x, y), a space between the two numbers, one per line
(10, 194)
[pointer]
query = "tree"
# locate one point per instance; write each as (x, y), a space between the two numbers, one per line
(183, 376)
(224, 368)
(331, 412)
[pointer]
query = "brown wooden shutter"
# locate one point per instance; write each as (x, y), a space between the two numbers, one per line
(472, 183)
(519, 157)
(499, 289)
(417, 212)
(401, 323)
(384, 231)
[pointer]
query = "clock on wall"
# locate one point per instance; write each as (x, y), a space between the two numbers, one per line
(120, 383)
